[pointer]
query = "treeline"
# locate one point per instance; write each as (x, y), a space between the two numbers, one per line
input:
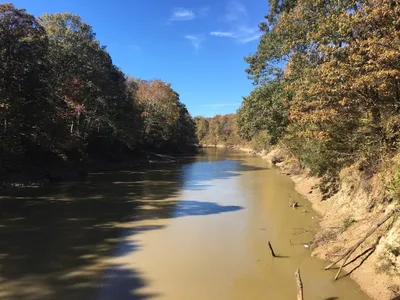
(218, 130)
(336, 100)
(64, 102)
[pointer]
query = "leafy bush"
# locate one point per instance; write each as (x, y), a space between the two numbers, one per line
(261, 141)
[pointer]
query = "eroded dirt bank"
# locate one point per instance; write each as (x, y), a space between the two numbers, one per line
(348, 209)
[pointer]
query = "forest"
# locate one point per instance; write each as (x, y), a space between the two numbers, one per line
(327, 85)
(65, 105)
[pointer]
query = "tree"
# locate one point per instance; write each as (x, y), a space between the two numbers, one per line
(340, 73)
(25, 108)
(184, 136)
(63, 101)
(160, 112)
(95, 110)
(202, 128)
(263, 110)
(217, 130)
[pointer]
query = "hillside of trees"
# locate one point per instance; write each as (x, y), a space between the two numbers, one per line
(218, 130)
(64, 104)
(327, 83)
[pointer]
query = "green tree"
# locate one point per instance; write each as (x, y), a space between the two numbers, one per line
(63, 101)
(221, 129)
(25, 108)
(159, 110)
(184, 137)
(338, 66)
(263, 110)
(95, 109)
(202, 128)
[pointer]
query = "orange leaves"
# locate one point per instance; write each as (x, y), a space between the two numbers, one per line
(158, 96)
(348, 62)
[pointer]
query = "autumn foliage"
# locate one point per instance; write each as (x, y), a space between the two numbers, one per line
(218, 130)
(340, 77)
(64, 103)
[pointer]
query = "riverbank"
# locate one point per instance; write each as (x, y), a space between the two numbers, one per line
(348, 208)
(58, 171)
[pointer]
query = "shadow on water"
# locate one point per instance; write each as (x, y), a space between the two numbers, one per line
(55, 239)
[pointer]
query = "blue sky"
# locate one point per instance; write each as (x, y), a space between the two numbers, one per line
(196, 45)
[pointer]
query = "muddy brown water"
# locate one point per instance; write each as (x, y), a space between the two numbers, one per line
(198, 229)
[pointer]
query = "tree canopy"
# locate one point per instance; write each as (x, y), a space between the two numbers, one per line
(63, 99)
(338, 66)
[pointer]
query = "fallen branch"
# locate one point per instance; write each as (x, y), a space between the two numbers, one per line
(364, 252)
(272, 250)
(299, 285)
(350, 251)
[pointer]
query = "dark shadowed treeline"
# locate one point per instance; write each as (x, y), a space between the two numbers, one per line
(63, 102)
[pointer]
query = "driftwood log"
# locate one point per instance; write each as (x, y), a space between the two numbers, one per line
(351, 250)
(299, 285)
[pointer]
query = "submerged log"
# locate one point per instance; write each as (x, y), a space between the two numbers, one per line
(271, 249)
(299, 285)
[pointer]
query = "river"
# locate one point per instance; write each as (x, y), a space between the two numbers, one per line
(198, 229)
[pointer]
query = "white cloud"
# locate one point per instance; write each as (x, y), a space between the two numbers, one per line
(223, 33)
(182, 14)
(195, 40)
(241, 33)
(250, 38)
(185, 14)
(239, 28)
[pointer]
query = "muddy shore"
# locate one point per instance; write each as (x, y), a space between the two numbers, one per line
(345, 216)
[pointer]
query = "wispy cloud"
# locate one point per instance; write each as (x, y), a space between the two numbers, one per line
(182, 14)
(135, 48)
(223, 33)
(195, 40)
(236, 17)
(203, 12)
(186, 14)
(241, 33)
(235, 12)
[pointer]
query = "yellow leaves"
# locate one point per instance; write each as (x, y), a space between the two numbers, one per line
(343, 60)
(158, 97)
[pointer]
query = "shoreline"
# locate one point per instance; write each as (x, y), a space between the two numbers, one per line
(350, 201)
(64, 172)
